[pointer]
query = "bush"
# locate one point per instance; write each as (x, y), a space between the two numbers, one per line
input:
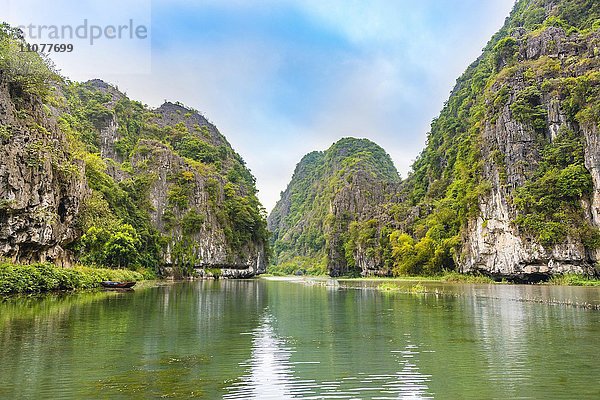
(192, 222)
(116, 248)
(573, 280)
(44, 277)
(299, 265)
(550, 203)
(528, 108)
(505, 52)
(27, 72)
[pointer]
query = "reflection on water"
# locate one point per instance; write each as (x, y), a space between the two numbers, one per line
(264, 339)
(411, 384)
(270, 374)
(501, 328)
(268, 371)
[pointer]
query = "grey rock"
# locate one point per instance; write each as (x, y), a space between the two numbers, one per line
(42, 186)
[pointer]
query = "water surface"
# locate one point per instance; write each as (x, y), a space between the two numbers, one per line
(278, 339)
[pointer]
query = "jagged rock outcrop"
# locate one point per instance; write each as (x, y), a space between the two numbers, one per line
(88, 175)
(329, 192)
(494, 244)
(41, 186)
(194, 189)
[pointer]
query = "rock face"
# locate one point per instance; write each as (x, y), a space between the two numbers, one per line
(509, 182)
(42, 187)
(193, 188)
(88, 175)
(494, 244)
(207, 240)
(528, 109)
(329, 192)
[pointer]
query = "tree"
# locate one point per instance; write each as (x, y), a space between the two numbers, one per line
(121, 250)
(28, 71)
(115, 248)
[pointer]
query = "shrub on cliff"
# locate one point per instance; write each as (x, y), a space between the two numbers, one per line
(27, 71)
(549, 204)
(115, 248)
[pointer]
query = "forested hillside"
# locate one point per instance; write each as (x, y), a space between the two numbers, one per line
(508, 183)
(92, 176)
(331, 197)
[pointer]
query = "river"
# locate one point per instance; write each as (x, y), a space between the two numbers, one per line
(281, 339)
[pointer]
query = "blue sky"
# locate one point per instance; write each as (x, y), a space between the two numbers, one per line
(282, 78)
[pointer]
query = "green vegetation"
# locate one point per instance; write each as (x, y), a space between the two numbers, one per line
(28, 72)
(550, 203)
(528, 108)
(571, 15)
(446, 276)
(44, 277)
(417, 288)
(116, 248)
(573, 280)
(309, 235)
(455, 277)
(114, 219)
(505, 52)
(300, 265)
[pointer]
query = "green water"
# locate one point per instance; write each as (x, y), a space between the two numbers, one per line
(273, 339)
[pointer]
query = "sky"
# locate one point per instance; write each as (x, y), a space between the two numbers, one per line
(281, 78)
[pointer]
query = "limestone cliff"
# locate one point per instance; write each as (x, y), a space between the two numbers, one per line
(42, 186)
(551, 64)
(89, 175)
(192, 188)
(329, 193)
(509, 182)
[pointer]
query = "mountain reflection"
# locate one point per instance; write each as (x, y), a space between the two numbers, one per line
(278, 340)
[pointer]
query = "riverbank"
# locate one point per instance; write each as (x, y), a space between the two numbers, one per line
(46, 277)
(449, 277)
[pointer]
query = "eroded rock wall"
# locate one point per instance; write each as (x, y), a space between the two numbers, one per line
(493, 244)
(41, 186)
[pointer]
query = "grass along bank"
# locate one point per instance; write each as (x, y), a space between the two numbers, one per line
(573, 280)
(448, 277)
(451, 277)
(46, 277)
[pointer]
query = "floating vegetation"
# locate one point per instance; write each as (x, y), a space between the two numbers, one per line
(417, 288)
(455, 277)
